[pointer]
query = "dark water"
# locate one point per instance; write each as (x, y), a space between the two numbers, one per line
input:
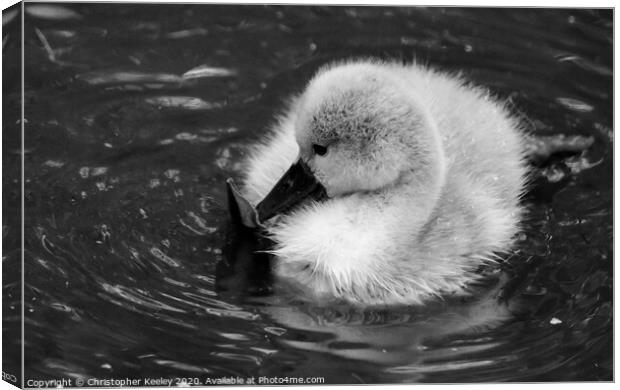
(131, 271)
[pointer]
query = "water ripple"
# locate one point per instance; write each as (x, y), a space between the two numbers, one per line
(139, 298)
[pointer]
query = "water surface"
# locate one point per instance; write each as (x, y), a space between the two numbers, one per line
(136, 115)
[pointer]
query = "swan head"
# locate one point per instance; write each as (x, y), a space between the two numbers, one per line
(359, 130)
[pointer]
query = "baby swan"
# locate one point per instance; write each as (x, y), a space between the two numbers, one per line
(420, 176)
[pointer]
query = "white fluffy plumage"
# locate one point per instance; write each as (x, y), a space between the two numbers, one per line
(424, 173)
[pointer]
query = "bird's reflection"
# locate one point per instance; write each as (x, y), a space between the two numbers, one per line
(245, 268)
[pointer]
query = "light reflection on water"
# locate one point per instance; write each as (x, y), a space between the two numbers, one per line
(137, 114)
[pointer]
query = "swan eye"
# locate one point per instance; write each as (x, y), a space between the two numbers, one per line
(319, 149)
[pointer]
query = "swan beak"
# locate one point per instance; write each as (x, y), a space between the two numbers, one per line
(297, 184)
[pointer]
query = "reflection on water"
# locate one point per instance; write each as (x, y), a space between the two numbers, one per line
(136, 115)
